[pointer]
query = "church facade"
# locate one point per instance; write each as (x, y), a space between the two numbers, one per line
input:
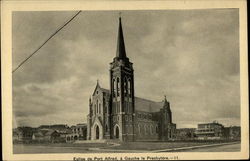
(118, 114)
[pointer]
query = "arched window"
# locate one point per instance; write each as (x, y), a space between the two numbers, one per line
(114, 88)
(129, 87)
(151, 129)
(145, 129)
(106, 128)
(118, 86)
(139, 129)
(97, 107)
(125, 86)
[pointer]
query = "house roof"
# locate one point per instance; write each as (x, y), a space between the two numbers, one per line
(38, 134)
(50, 132)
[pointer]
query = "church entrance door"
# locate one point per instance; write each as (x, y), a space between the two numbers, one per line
(97, 132)
(117, 132)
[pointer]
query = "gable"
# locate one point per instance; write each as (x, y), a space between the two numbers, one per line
(97, 88)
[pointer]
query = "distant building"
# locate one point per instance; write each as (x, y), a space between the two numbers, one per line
(44, 133)
(185, 134)
(38, 136)
(232, 132)
(235, 132)
(78, 132)
(212, 130)
(51, 136)
(23, 134)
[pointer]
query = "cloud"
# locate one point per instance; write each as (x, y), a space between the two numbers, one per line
(192, 56)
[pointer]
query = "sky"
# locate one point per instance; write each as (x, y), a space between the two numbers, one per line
(191, 56)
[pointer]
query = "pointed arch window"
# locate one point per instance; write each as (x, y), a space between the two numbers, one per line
(107, 108)
(118, 107)
(129, 87)
(156, 129)
(118, 86)
(97, 107)
(145, 129)
(139, 129)
(106, 128)
(114, 88)
(151, 129)
(125, 86)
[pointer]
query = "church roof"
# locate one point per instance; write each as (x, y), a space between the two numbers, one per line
(146, 105)
(105, 90)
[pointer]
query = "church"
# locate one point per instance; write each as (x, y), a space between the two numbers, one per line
(116, 113)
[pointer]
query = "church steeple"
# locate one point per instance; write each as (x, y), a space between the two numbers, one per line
(120, 51)
(122, 92)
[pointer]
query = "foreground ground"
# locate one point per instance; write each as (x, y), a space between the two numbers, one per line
(125, 147)
(223, 148)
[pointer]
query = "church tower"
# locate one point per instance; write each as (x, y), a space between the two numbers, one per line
(122, 93)
(166, 125)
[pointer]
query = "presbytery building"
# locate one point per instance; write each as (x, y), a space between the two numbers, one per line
(118, 114)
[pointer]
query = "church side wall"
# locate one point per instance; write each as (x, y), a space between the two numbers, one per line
(146, 129)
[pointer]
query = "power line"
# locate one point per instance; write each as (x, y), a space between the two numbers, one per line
(46, 41)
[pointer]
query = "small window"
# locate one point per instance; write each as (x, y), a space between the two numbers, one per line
(151, 129)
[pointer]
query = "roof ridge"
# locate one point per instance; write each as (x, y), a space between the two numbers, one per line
(148, 100)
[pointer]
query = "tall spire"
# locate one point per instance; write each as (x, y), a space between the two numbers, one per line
(120, 51)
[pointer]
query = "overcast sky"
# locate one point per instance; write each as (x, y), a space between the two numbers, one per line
(191, 56)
